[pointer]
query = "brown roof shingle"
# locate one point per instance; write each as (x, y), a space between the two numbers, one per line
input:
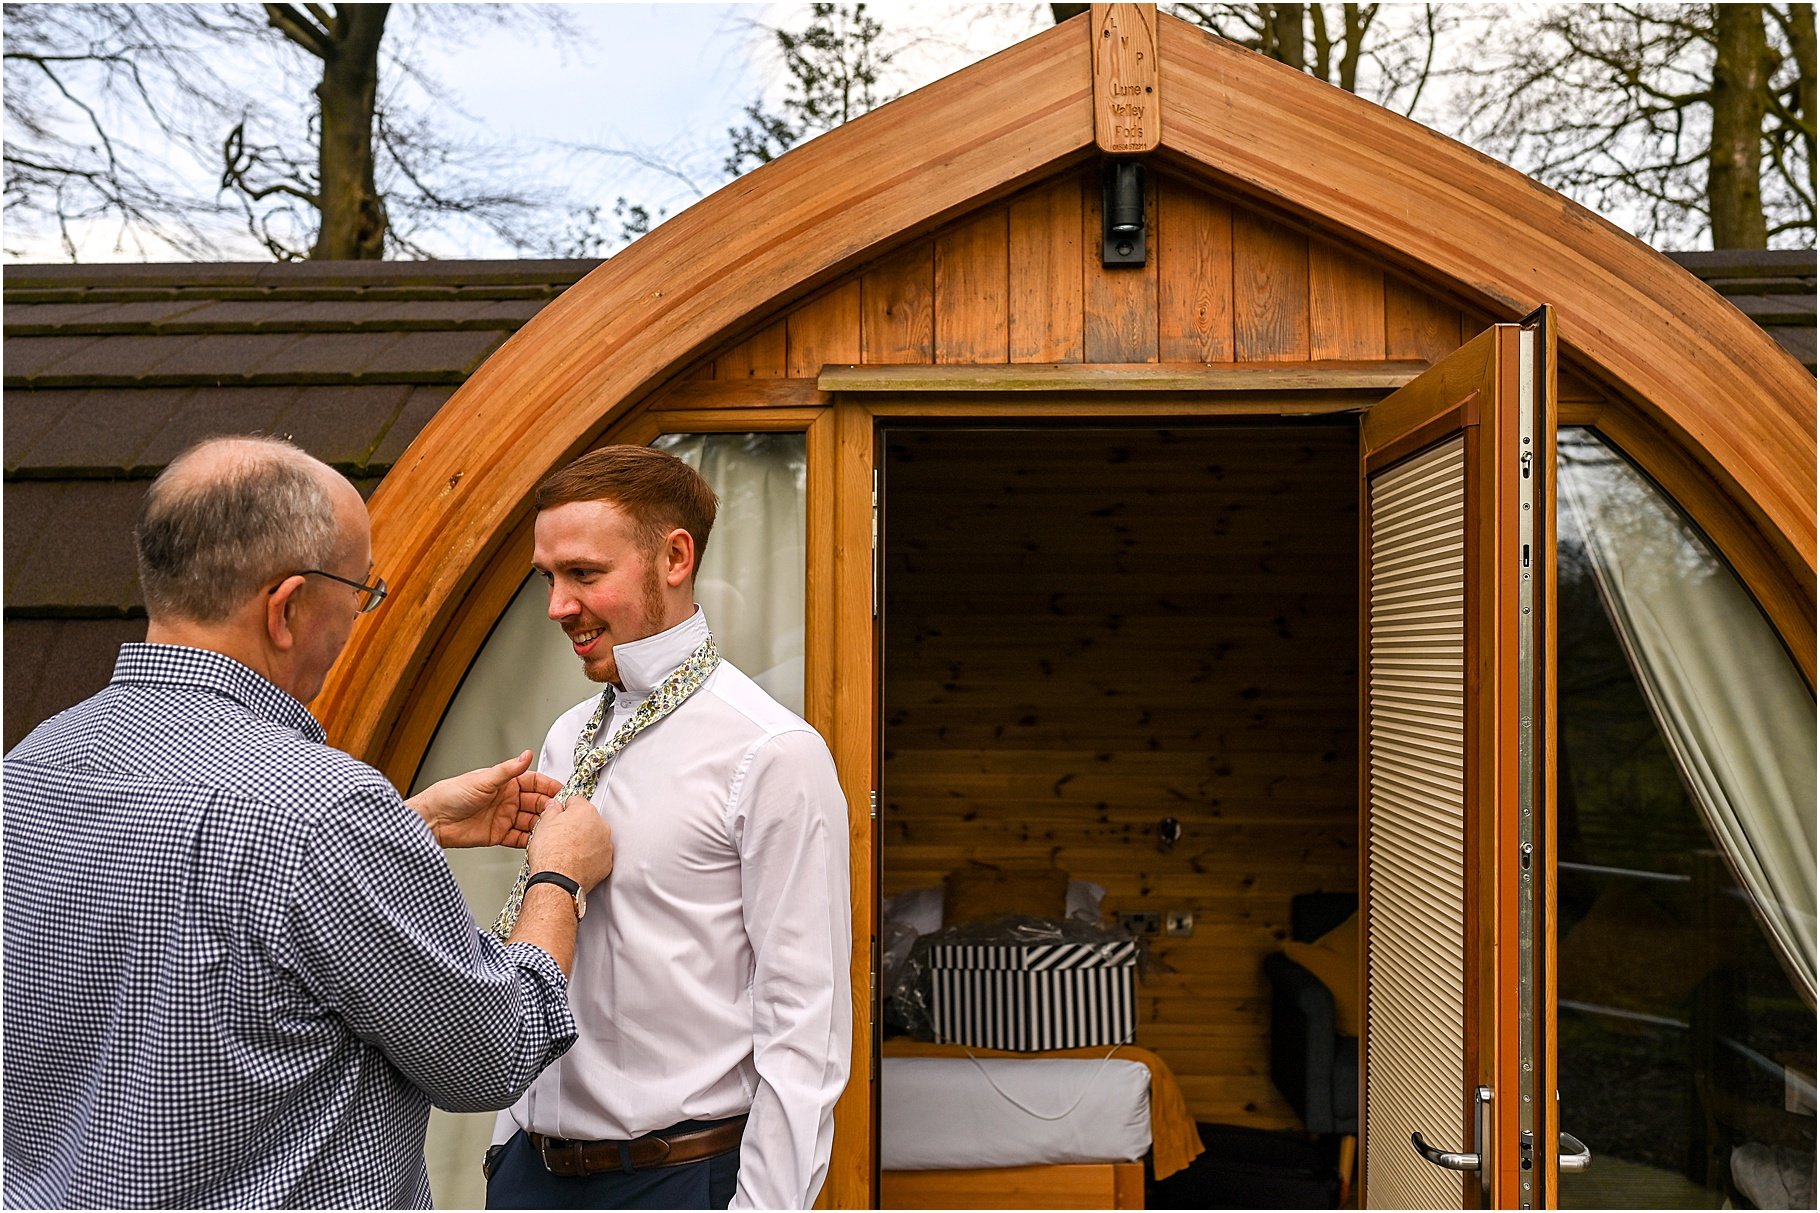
(112, 370)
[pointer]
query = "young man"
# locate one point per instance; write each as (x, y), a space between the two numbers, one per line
(238, 969)
(711, 985)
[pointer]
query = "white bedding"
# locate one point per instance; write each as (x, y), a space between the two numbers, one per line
(940, 1113)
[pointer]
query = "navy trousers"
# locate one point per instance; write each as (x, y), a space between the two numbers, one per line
(519, 1180)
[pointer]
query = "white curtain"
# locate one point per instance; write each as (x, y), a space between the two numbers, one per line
(753, 578)
(1732, 706)
(750, 586)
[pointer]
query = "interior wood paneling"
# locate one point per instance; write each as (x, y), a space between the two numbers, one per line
(1091, 630)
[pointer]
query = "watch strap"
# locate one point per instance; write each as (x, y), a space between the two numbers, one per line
(567, 884)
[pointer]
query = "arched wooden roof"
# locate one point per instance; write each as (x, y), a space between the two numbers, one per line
(1713, 383)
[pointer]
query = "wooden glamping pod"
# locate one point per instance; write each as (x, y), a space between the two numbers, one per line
(1216, 579)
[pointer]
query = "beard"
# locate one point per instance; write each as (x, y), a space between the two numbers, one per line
(605, 668)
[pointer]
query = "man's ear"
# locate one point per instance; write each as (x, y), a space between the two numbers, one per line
(278, 606)
(679, 557)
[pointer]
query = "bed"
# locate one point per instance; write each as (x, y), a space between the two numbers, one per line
(965, 1127)
(968, 1128)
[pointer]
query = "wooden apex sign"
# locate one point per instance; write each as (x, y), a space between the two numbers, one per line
(1127, 116)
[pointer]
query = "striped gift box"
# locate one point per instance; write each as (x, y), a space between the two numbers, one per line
(1043, 996)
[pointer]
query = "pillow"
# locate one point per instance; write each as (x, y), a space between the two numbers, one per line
(1334, 958)
(974, 893)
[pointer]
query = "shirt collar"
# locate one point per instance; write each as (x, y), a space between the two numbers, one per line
(168, 665)
(645, 663)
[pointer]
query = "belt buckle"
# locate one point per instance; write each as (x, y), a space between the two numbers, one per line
(569, 1146)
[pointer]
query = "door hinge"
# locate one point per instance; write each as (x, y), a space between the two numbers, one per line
(872, 797)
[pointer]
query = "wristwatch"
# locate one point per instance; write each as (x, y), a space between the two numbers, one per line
(566, 884)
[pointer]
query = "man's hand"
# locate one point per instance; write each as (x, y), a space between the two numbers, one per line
(494, 806)
(572, 839)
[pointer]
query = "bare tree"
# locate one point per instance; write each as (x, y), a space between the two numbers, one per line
(1384, 52)
(113, 107)
(345, 39)
(87, 142)
(1685, 119)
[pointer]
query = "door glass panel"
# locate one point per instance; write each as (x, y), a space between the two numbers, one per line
(1686, 848)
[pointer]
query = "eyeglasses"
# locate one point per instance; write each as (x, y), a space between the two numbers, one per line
(370, 595)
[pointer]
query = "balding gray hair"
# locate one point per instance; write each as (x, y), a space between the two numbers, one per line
(228, 517)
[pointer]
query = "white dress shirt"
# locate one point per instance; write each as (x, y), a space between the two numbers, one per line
(711, 969)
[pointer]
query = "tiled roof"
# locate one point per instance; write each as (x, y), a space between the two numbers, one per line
(1775, 288)
(110, 370)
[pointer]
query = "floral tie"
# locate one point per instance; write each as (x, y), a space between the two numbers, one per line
(590, 759)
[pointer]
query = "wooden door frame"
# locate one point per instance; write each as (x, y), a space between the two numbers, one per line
(847, 447)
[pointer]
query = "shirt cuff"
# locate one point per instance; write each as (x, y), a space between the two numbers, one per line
(539, 965)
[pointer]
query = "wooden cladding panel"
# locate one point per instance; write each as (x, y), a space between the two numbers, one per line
(1121, 316)
(972, 285)
(1020, 282)
(1088, 631)
(1269, 289)
(1345, 304)
(1045, 274)
(1417, 325)
(1194, 274)
(824, 330)
(760, 356)
(897, 308)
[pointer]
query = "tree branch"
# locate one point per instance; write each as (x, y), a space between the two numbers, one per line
(287, 20)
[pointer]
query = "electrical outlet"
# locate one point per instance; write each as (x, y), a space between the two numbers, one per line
(1178, 922)
(1141, 922)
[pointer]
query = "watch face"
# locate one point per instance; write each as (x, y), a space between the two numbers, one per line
(581, 904)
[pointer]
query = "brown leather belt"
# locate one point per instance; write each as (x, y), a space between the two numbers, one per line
(568, 1158)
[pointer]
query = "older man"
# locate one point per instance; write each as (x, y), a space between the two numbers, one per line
(238, 970)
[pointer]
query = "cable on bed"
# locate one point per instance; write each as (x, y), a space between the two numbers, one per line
(1025, 1108)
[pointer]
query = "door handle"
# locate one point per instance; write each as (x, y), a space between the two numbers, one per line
(1443, 1158)
(1575, 1156)
(1457, 1161)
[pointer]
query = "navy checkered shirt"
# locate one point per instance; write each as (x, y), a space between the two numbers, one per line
(238, 971)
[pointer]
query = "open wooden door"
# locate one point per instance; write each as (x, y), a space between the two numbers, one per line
(1457, 780)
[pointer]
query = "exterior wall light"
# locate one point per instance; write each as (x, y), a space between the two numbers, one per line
(1122, 213)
